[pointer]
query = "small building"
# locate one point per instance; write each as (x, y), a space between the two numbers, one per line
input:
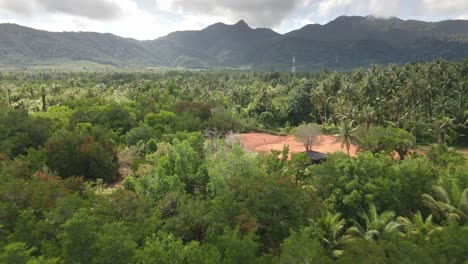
(316, 157)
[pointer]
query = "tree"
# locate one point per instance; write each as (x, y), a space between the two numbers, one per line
(376, 226)
(20, 131)
(416, 176)
(367, 115)
(114, 244)
(447, 205)
(388, 139)
(162, 122)
(167, 249)
(319, 101)
(300, 105)
(77, 153)
(444, 127)
(442, 155)
(308, 134)
(43, 97)
(142, 133)
(347, 185)
(303, 247)
(19, 253)
(237, 248)
(347, 134)
(417, 228)
(78, 238)
(331, 228)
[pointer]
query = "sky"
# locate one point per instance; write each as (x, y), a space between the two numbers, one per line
(150, 19)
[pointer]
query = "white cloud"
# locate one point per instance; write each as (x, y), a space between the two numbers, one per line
(93, 9)
(20, 7)
(383, 8)
(260, 13)
(148, 19)
(454, 8)
(123, 18)
(294, 23)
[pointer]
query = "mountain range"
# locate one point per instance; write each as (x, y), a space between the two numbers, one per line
(344, 43)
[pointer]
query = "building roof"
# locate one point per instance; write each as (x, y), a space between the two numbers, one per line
(316, 156)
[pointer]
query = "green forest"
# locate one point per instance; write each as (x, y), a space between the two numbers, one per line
(145, 167)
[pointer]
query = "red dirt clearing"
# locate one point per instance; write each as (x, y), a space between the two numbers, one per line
(266, 142)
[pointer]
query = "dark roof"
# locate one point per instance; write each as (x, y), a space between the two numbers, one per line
(316, 156)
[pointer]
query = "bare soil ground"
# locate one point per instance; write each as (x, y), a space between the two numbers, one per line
(265, 143)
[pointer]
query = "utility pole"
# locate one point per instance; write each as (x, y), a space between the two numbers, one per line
(336, 61)
(294, 64)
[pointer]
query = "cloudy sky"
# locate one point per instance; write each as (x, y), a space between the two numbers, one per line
(149, 19)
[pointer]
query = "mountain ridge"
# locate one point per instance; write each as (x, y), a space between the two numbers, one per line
(344, 43)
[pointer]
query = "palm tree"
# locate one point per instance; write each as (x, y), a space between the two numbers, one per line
(447, 205)
(416, 122)
(376, 225)
(417, 226)
(413, 88)
(347, 134)
(445, 126)
(333, 228)
(318, 99)
(367, 115)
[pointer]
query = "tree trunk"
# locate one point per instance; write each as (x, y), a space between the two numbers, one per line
(44, 101)
(9, 97)
(401, 153)
(325, 114)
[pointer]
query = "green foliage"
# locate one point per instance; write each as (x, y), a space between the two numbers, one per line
(237, 248)
(165, 248)
(349, 185)
(19, 253)
(80, 153)
(139, 134)
(307, 134)
(162, 122)
(227, 167)
(443, 155)
(78, 238)
(142, 167)
(449, 245)
(303, 247)
(300, 104)
(19, 131)
(176, 167)
(387, 140)
(114, 244)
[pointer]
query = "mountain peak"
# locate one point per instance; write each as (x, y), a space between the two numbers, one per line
(242, 24)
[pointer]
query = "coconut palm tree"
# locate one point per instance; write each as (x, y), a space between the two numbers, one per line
(448, 205)
(413, 88)
(376, 226)
(318, 99)
(444, 127)
(347, 134)
(367, 115)
(417, 227)
(332, 227)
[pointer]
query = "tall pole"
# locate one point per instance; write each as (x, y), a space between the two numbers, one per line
(294, 64)
(336, 61)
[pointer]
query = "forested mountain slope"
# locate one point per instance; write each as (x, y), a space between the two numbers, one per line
(343, 43)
